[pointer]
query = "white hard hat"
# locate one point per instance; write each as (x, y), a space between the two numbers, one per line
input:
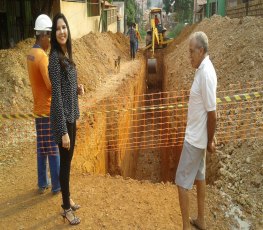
(43, 23)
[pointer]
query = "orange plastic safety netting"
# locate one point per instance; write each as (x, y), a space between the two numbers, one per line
(148, 121)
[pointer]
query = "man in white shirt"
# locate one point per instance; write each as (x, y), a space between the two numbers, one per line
(200, 130)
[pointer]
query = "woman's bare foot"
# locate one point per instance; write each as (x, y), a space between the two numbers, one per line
(196, 223)
(73, 205)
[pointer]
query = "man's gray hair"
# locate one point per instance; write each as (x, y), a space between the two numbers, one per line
(201, 39)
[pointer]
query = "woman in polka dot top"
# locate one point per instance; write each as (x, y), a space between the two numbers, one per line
(64, 109)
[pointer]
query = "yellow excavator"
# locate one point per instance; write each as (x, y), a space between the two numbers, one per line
(155, 38)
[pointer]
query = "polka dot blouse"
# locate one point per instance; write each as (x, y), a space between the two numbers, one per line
(64, 101)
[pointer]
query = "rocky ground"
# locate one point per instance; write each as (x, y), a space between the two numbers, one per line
(236, 170)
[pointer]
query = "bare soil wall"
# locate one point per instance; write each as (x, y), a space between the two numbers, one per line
(105, 136)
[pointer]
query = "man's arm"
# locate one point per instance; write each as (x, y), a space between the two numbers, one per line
(211, 127)
(208, 91)
(43, 66)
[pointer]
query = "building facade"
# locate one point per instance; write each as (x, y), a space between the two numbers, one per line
(230, 8)
(120, 16)
(242, 8)
(199, 10)
(17, 17)
(215, 7)
(207, 8)
(109, 17)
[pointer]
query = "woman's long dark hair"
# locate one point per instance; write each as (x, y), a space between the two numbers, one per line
(55, 45)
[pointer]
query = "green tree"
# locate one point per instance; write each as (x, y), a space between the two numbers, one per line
(184, 10)
(166, 6)
(131, 11)
(148, 4)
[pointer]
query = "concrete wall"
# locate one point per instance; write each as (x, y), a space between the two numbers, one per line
(79, 22)
(120, 10)
(113, 27)
(255, 8)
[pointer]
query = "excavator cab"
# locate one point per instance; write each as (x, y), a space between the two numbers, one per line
(156, 16)
(155, 38)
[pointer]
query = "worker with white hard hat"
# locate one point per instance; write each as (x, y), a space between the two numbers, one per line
(43, 23)
(37, 63)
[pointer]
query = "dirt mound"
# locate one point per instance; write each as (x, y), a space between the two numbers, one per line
(15, 92)
(94, 55)
(236, 50)
(182, 37)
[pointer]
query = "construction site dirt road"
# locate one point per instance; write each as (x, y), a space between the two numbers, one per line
(122, 176)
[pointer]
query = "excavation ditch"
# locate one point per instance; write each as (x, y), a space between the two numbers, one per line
(118, 143)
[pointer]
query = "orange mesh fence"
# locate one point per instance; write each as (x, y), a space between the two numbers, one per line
(148, 121)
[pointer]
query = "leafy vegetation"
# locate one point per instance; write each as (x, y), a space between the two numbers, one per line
(182, 8)
(176, 30)
(142, 33)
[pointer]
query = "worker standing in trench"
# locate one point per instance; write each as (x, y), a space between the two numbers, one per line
(133, 39)
(37, 65)
(200, 130)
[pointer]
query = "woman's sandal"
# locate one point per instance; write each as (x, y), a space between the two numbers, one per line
(74, 221)
(74, 207)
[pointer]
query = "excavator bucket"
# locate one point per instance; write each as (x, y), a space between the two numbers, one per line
(152, 65)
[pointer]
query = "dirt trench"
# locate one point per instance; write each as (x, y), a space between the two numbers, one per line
(158, 163)
(105, 145)
(127, 142)
(149, 160)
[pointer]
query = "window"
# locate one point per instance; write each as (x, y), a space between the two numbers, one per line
(93, 8)
(108, 17)
(111, 16)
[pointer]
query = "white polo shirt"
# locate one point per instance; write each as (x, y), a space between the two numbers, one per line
(202, 100)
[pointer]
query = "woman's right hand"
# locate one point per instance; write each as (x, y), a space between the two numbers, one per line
(66, 141)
